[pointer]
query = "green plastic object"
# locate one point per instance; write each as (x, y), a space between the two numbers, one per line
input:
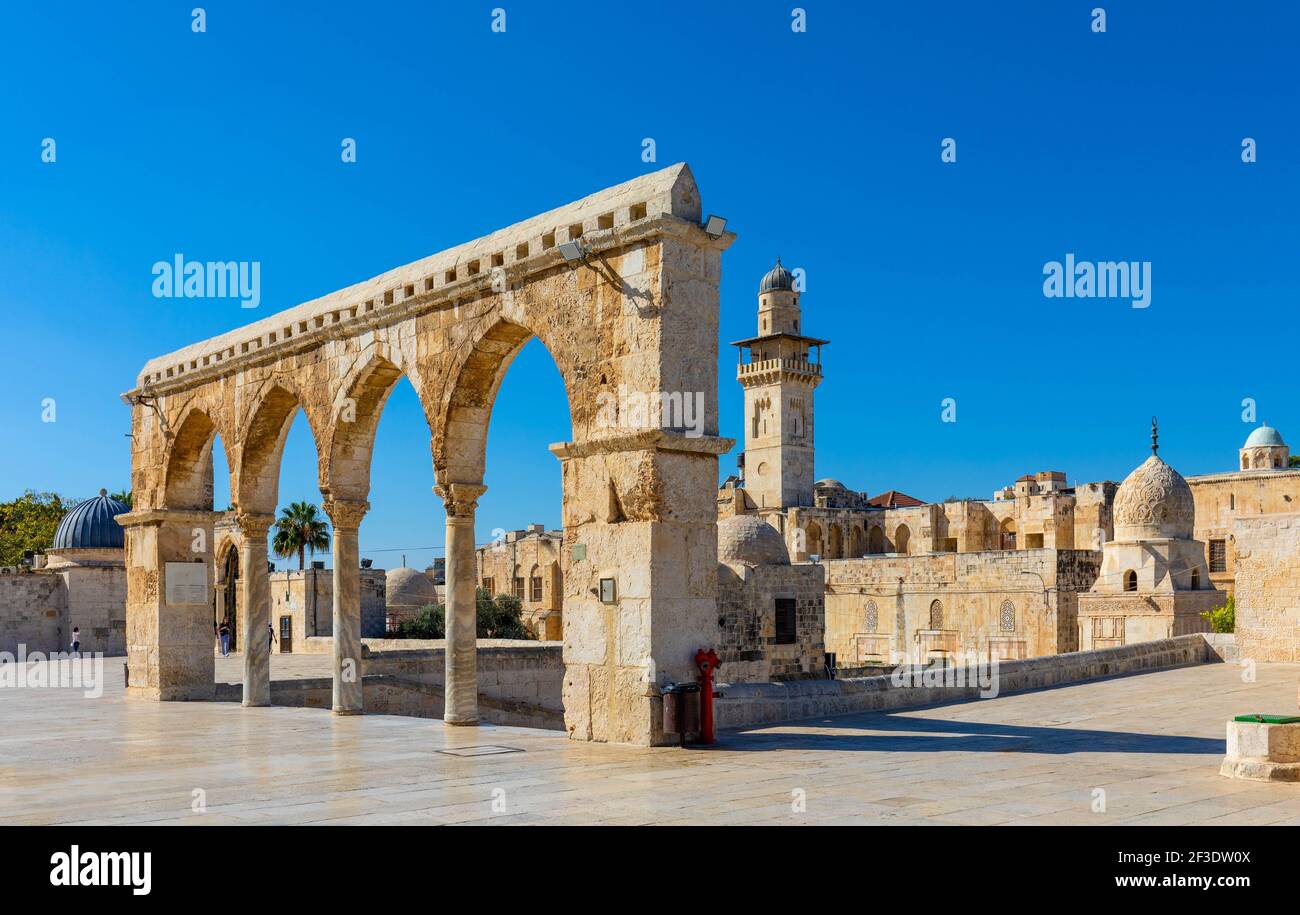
(1269, 719)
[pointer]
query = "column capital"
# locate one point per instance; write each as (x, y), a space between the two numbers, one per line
(346, 514)
(460, 499)
(254, 524)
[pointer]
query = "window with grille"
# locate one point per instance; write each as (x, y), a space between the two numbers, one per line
(1218, 556)
(536, 588)
(936, 615)
(489, 586)
(873, 616)
(785, 621)
(519, 588)
(1007, 617)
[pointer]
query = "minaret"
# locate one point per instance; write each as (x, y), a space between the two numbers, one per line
(779, 379)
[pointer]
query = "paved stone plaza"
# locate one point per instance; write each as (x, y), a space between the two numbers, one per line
(1152, 742)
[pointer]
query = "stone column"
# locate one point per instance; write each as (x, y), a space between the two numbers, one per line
(346, 517)
(255, 589)
(169, 635)
(461, 681)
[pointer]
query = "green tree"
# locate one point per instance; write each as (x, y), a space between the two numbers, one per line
(29, 522)
(123, 496)
(500, 617)
(1223, 619)
(300, 530)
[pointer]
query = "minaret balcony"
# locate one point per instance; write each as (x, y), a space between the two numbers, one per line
(762, 367)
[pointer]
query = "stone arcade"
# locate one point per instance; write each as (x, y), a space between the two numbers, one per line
(639, 312)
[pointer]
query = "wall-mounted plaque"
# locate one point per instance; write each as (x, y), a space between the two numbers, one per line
(187, 584)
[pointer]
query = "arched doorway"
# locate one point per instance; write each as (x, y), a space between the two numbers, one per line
(835, 549)
(876, 540)
(226, 598)
(902, 539)
(1007, 534)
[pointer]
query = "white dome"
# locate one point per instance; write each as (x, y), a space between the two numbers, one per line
(1264, 436)
(1154, 502)
(405, 587)
(751, 540)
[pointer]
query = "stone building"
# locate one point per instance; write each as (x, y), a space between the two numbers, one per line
(1154, 580)
(80, 581)
(827, 520)
(997, 604)
(301, 600)
(409, 591)
(1264, 484)
(527, 564)
(771, 614)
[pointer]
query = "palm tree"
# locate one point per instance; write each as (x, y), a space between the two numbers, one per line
(300, 530)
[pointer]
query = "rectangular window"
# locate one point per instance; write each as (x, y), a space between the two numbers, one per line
(489, 586)
(1218, 556)
(519, 588)
(785, 621)
(536, 588)
(1033, 541)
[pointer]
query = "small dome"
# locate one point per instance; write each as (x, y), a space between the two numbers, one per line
(90, 525)
(751, 540)
(1263, 436)
(1154, 502)
(405, 587)
(777, 278)
(830, 483)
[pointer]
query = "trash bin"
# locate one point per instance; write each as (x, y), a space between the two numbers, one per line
(681, 709)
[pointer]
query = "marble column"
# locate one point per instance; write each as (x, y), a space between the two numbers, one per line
(255, 589)
(346, 517)
(460, 685)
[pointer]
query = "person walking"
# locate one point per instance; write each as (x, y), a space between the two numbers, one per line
(76, 641)
(223, 633)
(270, 631)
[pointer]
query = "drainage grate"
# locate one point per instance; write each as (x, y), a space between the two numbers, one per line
(484, 750)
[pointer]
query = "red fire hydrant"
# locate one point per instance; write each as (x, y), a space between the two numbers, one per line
(707, 662)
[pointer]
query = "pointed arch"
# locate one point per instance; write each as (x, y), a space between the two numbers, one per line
(356, 412)
(902, 539)
(460, 436)
(187, 478)
(256, 483)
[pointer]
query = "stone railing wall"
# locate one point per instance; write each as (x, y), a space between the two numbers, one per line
(749, 704)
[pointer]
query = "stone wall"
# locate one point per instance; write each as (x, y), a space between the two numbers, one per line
(508, 670)
(96, 601)
(750, 704)
(1268, 587)
(32, 607)
(1014, 603)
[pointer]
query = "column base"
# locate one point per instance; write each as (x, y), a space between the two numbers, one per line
(461, 722)
(348, 711)
(247, 703)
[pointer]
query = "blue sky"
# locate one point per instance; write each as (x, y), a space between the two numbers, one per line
(823, 147)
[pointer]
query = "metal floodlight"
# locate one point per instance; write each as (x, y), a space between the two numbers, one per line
(573, 251)
(714, 226)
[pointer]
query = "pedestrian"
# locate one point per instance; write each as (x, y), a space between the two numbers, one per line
(223, 633)
(76, 641)
(270, 631)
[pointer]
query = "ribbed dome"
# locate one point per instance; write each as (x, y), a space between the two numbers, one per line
(777, 278)
(406, 587)
(1264, 436)
(90, 525)
(749, 539)
(1154, 502)
(830, 483)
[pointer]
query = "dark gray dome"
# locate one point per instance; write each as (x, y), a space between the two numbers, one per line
(777, 278)
(90, 525)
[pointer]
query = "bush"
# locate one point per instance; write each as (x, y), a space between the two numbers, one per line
(500, 617)
(1223, 619)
